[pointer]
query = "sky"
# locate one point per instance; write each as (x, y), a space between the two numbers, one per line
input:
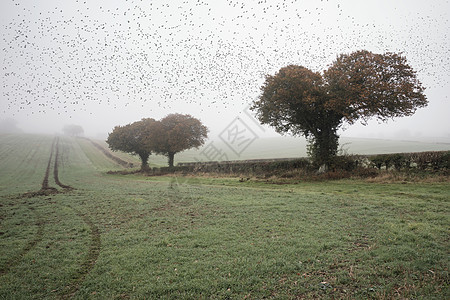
(104, 63)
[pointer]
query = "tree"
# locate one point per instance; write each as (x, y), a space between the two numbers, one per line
(357, 86)
(176, 133)
(136, 138)
(9, 126)
(73, 130)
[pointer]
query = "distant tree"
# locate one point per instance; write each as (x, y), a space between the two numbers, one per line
(357, 86)
(9, 126)
(178, 132)
(73, 130)
(136, 138)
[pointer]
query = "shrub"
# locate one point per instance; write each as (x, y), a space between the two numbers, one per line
(366, 172)
(345, 163)
(434, 161)
(377, 161)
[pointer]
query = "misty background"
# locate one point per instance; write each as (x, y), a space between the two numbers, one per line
(99, 64)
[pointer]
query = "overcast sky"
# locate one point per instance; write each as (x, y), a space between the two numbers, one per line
(105, 63)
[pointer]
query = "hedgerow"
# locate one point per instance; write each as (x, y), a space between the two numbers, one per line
(435, 161)
(344, 166)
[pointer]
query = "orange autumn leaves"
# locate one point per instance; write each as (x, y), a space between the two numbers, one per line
(364, 85)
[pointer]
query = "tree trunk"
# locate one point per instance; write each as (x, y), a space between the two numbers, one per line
(144, 161)
(171, 156)
(323, 147)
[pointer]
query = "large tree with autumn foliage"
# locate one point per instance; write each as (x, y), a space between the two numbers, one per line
(357, 86)
(178, 132)
(136, 138)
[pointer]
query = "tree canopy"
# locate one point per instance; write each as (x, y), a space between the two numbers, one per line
(168, 136)
(178, 132)
(135, 138)
(363, 85)
(357, 86)
(73, 130)
(9, 126)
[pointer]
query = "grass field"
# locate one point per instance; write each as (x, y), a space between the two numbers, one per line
(115, 237)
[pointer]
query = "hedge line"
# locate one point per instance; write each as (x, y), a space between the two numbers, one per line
(432, 161)
(236, 167)
(436, 161)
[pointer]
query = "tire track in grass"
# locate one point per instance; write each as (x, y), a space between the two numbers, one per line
(55, 169)
(45, 190)
(45, 187)
(13, 261)
(91, 257)
(95, 245)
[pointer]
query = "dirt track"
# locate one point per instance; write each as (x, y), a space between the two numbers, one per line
(46, 189)
(55, 169)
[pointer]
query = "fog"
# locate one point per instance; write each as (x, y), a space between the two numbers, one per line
(99, 64)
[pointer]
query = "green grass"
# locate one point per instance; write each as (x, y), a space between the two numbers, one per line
(138, 237)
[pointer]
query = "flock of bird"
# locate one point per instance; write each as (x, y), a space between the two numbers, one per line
(69, 55)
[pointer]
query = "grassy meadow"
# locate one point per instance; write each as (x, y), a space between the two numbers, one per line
(176, 237)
